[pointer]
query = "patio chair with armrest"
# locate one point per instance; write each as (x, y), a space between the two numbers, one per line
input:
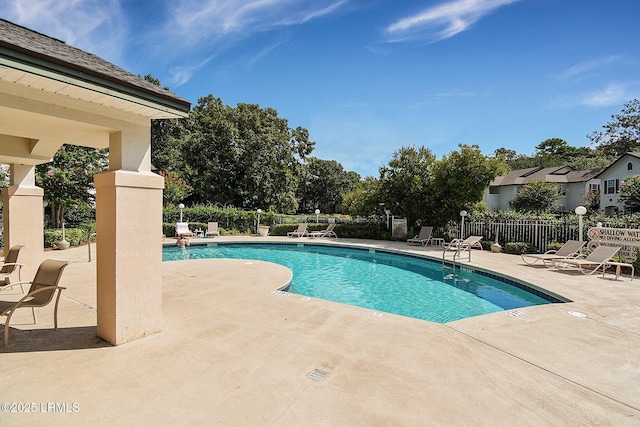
(43, 289)
(300, 231)
(460, 246)
(591, 263)
(212, 230)
(10, 266)
(423, 238)
(182, 228)
(327, 232)
(571, 249)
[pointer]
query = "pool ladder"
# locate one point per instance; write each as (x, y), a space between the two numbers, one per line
(453, 264)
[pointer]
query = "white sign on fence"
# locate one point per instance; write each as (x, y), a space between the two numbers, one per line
(628, 239)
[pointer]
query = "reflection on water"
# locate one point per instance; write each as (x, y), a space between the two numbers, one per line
(387, 282)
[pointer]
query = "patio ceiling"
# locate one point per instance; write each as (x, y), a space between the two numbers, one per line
(38, 114)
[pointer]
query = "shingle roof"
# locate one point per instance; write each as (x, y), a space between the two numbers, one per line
(559, 174)
(23, 44)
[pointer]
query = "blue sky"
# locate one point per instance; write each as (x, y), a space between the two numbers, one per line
(367, 77)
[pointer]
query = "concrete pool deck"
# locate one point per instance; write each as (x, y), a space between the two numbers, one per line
(233, 352)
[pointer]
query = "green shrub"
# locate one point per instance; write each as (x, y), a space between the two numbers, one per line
(353, 231)
(486, 244)
(228, 217)
(519, 248)
(75, 236)
(554, 246)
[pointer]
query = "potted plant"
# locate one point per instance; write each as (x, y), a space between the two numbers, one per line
(263, 230)
(495, 247)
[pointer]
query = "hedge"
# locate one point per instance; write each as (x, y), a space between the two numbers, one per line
(353, 231)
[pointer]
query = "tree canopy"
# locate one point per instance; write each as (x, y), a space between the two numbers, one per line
(460, 179)
(68, 178)
(630, 193)
(622, 133)
(323, 183)
(556, 152)
(423, 189)
(246, 156)
(537, 196)
(406, 183)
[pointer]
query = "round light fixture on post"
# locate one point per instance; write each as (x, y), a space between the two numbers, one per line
(317, 213)
(181, 206)
(580, 211)
(259, 212)
(463, 213)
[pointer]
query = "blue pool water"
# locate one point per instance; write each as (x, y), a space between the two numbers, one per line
(382, 281)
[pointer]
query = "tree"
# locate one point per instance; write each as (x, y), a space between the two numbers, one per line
(364, 199)
(406, 183)
(4, 175)
(176, 189)
(245, 156)
(622, 134)
(630, 193)
(459, 182)
(555, 152)
(591, 200)
(537, 196)
(323, 183)
(68, 178)
(166, 140)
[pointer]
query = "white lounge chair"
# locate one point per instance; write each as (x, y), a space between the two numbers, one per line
(423, 238)
(182, 228)
(212, 230)
(327, 232)
(459, 246)
(571, 249)
(598, 258)
(301, 231)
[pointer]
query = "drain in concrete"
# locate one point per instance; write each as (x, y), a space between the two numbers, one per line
(318, 374)
(516, 313)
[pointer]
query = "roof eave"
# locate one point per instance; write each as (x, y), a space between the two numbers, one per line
(172, 105)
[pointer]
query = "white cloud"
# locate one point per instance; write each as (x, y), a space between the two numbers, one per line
(613, 94)
(197, 28)
(442, 21)
(189, 31)
(195, 21)
(589, 66)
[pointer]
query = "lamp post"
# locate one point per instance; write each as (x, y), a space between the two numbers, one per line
(388, 213)
(580, 211)
(317, 213)
(181, 206)
(259, 212)
(463, 213)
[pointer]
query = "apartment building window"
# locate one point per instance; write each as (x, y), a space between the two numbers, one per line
(612, 186)
(629, 166)
(594, 188)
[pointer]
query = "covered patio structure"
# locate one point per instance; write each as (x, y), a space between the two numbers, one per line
(53, 94)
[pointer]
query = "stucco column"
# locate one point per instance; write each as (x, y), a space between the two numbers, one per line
(129, 241)
(23, 218)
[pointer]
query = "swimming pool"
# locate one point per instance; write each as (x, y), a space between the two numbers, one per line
(402, 284)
